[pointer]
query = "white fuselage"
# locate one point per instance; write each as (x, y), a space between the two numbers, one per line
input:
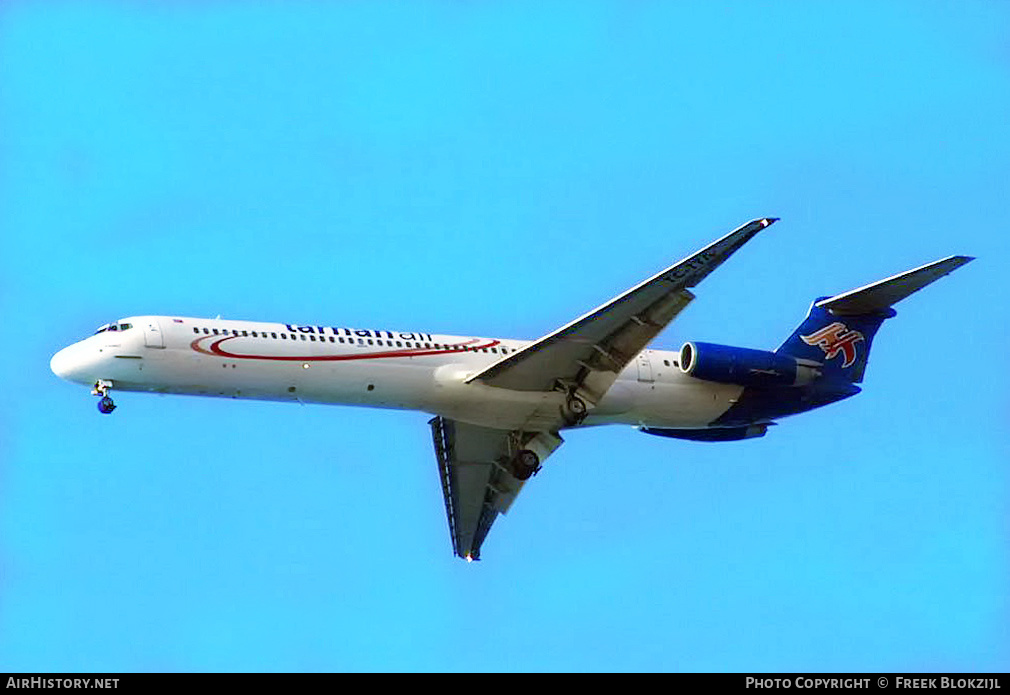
(377, 368)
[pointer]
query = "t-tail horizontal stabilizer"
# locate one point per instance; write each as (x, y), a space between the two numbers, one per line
(880, 296)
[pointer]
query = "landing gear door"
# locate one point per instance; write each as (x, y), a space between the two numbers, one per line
(152, 334)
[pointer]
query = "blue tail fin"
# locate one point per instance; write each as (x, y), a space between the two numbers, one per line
(840, 343)
(838, 331)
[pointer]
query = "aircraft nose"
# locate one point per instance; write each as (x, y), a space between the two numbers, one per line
(61, 363)
(68, 363)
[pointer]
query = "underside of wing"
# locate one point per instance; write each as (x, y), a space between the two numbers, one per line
(482, 471)
(587, 354)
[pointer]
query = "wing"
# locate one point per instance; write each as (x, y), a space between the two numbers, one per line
(588, 353)
(476, 466)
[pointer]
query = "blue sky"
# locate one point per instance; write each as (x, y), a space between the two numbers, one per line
(498, 169)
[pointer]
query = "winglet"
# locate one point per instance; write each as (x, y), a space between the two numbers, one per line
(880, 296)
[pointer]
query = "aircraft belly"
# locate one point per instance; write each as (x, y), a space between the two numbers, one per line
(529, 415)
(175, 371)
(682, 402)
(394, 383)
(689, 403)
(490, 406)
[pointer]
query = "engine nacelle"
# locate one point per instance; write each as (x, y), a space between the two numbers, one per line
(743, 366)
(711, 434)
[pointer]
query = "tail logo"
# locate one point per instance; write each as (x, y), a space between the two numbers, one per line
(835, 339)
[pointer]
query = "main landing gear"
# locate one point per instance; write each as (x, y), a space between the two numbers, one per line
(577, 409)
(524, 464)
(529, 450)
(105, 403)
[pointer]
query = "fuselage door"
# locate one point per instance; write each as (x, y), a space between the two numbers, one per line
(152, 334)
(644, 367)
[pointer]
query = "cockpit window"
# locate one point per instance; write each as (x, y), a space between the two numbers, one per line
(114, 327)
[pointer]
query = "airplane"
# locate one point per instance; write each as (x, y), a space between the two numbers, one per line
(499, 405)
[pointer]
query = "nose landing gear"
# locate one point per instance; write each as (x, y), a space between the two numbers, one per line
(105, 403)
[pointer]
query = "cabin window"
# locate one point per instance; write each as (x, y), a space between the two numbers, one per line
(370, 342)
(341, 339)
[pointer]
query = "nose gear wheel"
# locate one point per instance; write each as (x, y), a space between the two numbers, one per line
(105, 403)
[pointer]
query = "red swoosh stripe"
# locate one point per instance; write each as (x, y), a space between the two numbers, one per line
(215, 350)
